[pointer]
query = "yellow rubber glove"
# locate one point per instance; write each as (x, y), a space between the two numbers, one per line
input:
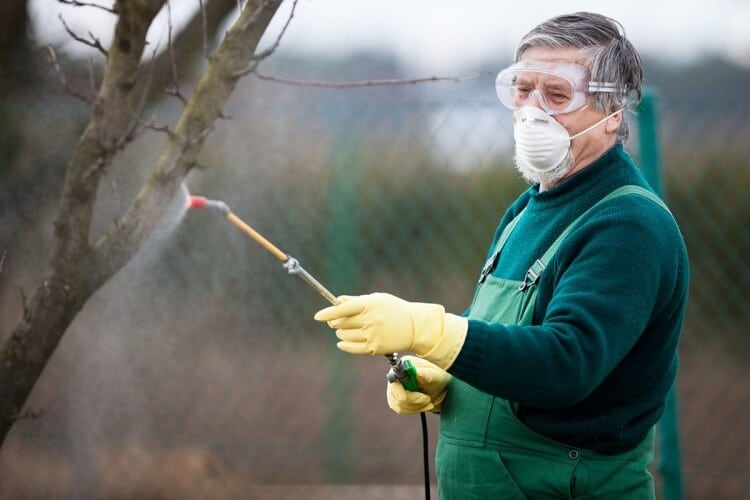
(433, 385)
(381, 323)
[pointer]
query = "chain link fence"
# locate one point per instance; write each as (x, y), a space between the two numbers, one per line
(198, 372)
(705, 169)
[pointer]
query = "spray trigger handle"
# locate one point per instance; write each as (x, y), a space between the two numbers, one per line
(403, 371)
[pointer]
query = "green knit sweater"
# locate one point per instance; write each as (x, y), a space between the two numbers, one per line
(594, 368)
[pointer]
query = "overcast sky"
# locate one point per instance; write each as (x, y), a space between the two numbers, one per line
(438, 36)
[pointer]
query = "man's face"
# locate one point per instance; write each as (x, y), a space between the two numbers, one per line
(537, 87)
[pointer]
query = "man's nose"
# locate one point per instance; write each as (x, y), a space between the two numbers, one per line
(535, 99)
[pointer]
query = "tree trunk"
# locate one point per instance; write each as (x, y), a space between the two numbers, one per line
(79, 268)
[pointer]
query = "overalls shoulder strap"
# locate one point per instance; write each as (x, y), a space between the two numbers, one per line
(535, 271)
(490, 263)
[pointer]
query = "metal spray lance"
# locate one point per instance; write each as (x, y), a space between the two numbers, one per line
(399, 370)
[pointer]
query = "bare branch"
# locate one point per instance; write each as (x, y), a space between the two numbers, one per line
(264, 54)
(76, 3)
(71, 91)
(191, 44)
(371, 83)
(2, 259)
(151, 125)
(175, 89)
(95, 43)
(270, 50)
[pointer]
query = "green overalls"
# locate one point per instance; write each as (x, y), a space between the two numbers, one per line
(484, 451)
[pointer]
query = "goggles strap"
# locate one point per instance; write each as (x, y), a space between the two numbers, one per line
(603, 87)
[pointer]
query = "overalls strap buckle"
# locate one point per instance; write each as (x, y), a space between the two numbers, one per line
(488, 267)
(532, 275)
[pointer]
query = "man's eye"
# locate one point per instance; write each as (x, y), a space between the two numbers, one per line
(523, 91)
(558, 97)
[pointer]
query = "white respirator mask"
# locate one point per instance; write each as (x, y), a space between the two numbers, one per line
(541, 142)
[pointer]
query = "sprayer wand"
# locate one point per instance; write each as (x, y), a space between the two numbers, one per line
(403, 371)
(291, 264)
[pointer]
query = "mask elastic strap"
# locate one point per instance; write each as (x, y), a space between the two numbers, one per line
(578, 134)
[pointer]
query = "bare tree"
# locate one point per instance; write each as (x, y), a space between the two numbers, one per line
(79, 266)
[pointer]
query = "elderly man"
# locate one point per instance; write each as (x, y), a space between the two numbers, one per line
(550, 384)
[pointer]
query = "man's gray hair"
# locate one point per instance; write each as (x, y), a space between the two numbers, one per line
(610, 57)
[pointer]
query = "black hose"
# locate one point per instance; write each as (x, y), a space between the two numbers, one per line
(425, 456)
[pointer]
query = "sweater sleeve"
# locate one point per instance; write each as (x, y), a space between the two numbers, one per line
(608, 280)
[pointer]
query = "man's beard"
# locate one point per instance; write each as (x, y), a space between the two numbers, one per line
(546, 178)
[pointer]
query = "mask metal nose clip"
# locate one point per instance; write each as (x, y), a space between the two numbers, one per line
(534, 119)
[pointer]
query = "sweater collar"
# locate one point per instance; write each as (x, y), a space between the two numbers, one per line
(582, 181)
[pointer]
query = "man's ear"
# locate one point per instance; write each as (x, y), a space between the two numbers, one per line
(613, 123)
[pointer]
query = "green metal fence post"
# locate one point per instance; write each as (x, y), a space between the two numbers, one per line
(669, 439)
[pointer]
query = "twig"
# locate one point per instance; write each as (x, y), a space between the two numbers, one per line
(151, 125)
(270, 50)
(175, 90)
(76, 3)
(370, 83)
(187, 143)
(95, 43)
(274, 46)
(63, 80)
(2, 259)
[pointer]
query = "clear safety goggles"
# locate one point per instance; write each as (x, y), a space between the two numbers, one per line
(557, 87)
